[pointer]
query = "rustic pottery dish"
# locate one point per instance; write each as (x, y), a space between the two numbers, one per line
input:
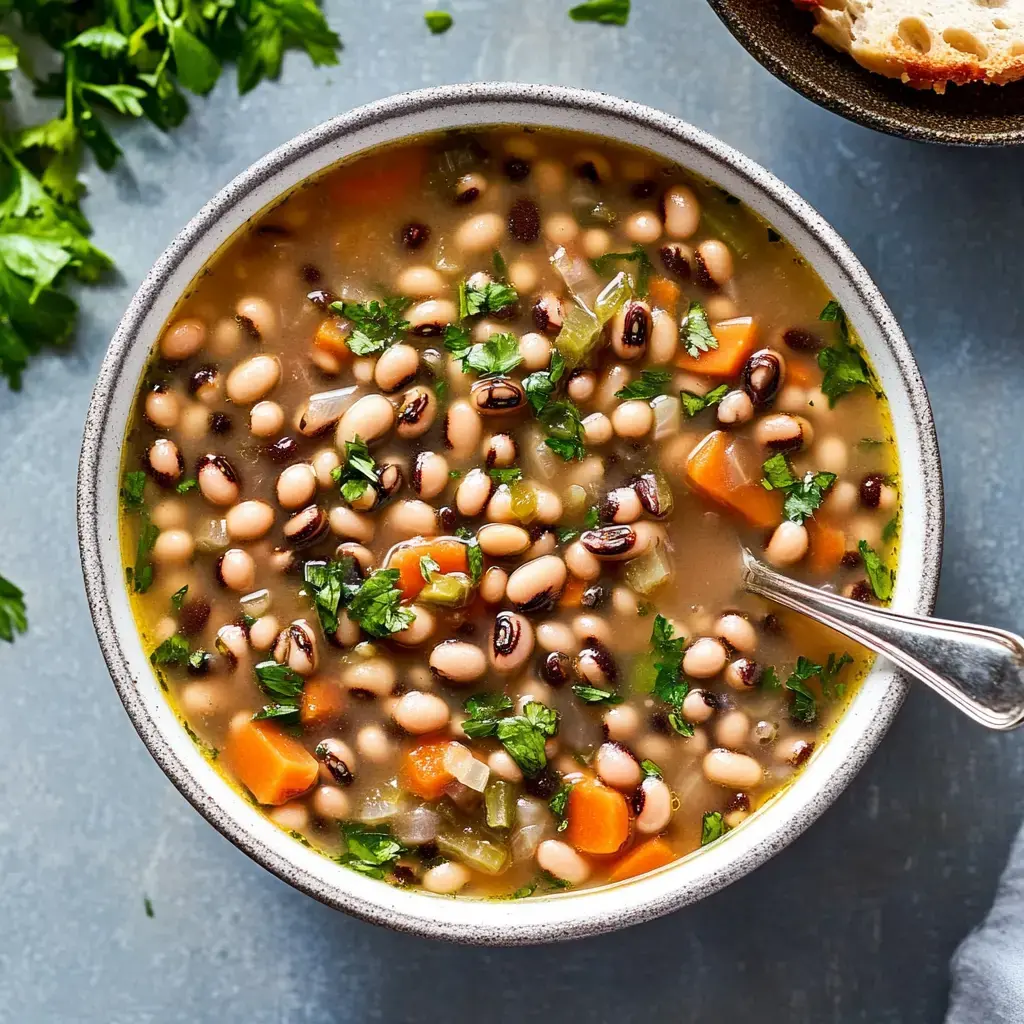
(778, 35)
(541, 918)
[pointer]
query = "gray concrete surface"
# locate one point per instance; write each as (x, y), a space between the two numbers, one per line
(854, 922)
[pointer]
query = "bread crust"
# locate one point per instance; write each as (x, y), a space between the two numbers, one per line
(916, 48)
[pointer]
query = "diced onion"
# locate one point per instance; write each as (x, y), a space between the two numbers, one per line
(577, 274)
(380, 805)
(648, 572)
(418, 826)
(525, 842)
(466, 768)
(541, 461)
(667, 416)
(530, 811)
(741, 467)
(326, 408)
(212, 536)
(257, 603)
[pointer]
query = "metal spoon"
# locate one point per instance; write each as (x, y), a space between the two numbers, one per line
(978, 669)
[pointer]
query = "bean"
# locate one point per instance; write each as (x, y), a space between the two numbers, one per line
(430, 474)
(162, 408)
(617, 766)
(479, 233)
(346, 523)
(582, 385)
(742, 674)
(788, 544)
(218, 481)
(396, 367)
(664, 339)
(720, 307)
(549, 506)
(420, 282)
(419, 630)
(596, 242)
(831, 455)
(535, 350)
(173, 547)
(256, 317)
(738, 632)
(699, 705)
(782, 432)
(704, 658)
(418, 712)
(473, 493)
(324, 463)
(373, 744)
(263, 632)
(733, 729)
(622, 505)
(536, 584)
(232, 642)
(498, 396)
(762, 375)
(587, 627)
(375, 676)
(493, 584)
(499, 508)
(511, 642)
(655, 800)
(791, 399)
(613, 543)
(631, 330)
(556, 636)
(678, 260)
(549, 176)
(642, 227)
(249, 520)
(735, 407)
(414, 235)
(682, 212)
(331, 802)
(524, 221)
(296, 647)
(842, 498)
(362, 369)
(306, 526)
(562, 861)
(462, 429)
(250, 380)
(266, 419)
(169, 513)
(560, 228)
(794, 750)
(164, 462)
(369, 419)
(737, 771)
(458, 662)
(717, 260)
(597, 429)
(545, 544)
(447, 878)
(412, 519)
(502, 540)
(547, 313)
(632, 419)
(364, 556)
(504, 767)
(621, 723)
(293, 817)
(625, 603)
(500, 451)
(596, 664)
(522, 275)
(184, 338)
(429, 319)
(296, 485)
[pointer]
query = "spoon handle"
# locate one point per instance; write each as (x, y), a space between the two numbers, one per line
(978, 669)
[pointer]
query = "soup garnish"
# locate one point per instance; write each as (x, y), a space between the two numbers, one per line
(434, 502)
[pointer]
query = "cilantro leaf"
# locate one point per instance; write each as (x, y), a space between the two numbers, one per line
(524, 736)
(712, 827)
(803, 496)
(559, 805)
(592, 518)
(562, 422)
(186, 485)
(357, 473)
(651, 384)
(286, 713)
(377, 604)
(670, 685)
(843, 365)
(595, 695)
(803, 704)
(428, 566)
(484, 711)
(475, 558)
(604, 12)
(694, 403)
(830, 670)
(770, 679)
(880, 576)
(438, 21)
(369, 851)
(457, 341)
(173, 651)
(506, 476)
(651, 770)
(638, 255)
(777, 474)
(279, 680)
(541, 384)
(695, 331)
(178, 598)
(489, 298)
(142, 574)
(132, 489)
(12, 610)
(331, 585)
(890, 529)
(375, 324)
(498, 354)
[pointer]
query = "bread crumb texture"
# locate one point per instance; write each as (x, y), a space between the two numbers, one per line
(927, 43)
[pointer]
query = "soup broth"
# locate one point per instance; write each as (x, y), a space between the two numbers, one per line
(434, 501)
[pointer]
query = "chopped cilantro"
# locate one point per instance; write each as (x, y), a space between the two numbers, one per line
(803, 704)
(131, 490)
(438, 21)
(475, 557)
(376, 324)
(428, 566)
(357, 473)
(178, 598)
(141, 576)
(712, 827)
(285, 712)
(595, 695)
(12, 610)
(651, 770)
(843, 365)
(377, 604)
(508, 475)
(331, 585)
(890, 529)
(566, 534)
(523, 736)
(562, 422)
(279, 681)
(173, 651)
(541, 384)
(559, 804)
(638, 255)
(188, 484)
(650, 384)
(670, 686)
(489, 298)
(369, 851)
(484, 711)
(880, 576)
(829, 687)
(694, 403)
(695, 331)
(777, 474)
(803, 496)
(498, 354)
(770, 679)
(457, 341)
(592, 518)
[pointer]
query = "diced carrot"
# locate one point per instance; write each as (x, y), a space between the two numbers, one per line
(331, 338)
(827, 546)
(322, 702)
(449, 553)
(423, 771)
(708, 470)
(572, 593)
(655, 853)
(801, 372)
(274, 767)
(736, 340)
(598, 818)
(663, 294)
(381, 179)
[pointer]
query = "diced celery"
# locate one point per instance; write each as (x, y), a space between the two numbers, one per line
(579, 334)
(474, 852)
(648, 572)
(500, 802)
(617, 292)
(524, 501)
(642, 674)
(452, 590)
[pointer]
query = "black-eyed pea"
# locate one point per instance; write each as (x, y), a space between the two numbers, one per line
(632, 419)
(447, 878)
(642, 227)
(493, 584)
(292, 817)
(737, 631)
(595, 243)
(462, 429)
(615, 543)
(363, 369)
(664, 338)
(504, 767)
(502, 540)
(429, 319)
(682, 211)
(419, 713)
(326, 362)
(535, 585)
(499, 508)
(617, 767)
(732, 729)
(348, 632)
(479, 233)
(522, 275)
(547, 313)
(562, 861)
(716, 257)
(549, 176)
(470, 187)
(549, 506)
(236, 570)
(535, 350)
(831, 454)
(201, 700)
(783, 432)
(351, 525)
(587, 627)
(699, 705)
(256, 317)
(597, 429)
(324, 463)
(622, 505)
(218, 481)
(705, 658)
(621, 723)
(168, 514)
(615, 378)
(560, 228)
(420, 282)
(788, 544)
(743, 674)
(162, 407)
(296, 485)
(595, 663)
(654, 806)
(581, 385)
(266, 419)
(173, 547)
(263, 632)
(545, 544)
(420, 630)
(396, 367)
(735, 408)
(411, 518)
(510, 642)
(794, 750)
(249, 520)
(721, 308)
(165, 462)
(306, 526)
(497, 396)
(331, 802)
(252, 379)
(625, 602)
(473, 493)
(194, 423)
(553, 636)
(182, 339)
(732, 770)
(484, 329)
(582, 563)
(374, 676)
(429, 474)
(866, 527)
(631, 330)
(369, 419)
(363, 555)
(500, 451)
(373, 744)
(458, 662)
(791, 399)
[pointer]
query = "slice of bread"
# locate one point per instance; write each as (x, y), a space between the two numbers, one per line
(927, 43)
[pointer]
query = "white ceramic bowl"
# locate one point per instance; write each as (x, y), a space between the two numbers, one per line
(566, 915)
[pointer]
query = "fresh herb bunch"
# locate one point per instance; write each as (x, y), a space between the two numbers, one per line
(133, 58)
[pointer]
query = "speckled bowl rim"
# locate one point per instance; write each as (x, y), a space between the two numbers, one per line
(563, 915)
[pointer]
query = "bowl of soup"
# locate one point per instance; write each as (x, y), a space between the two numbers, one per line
(414, 491)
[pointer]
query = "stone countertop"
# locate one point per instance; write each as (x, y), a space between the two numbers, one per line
(853, 922)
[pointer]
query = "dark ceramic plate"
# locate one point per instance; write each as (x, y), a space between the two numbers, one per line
(779, 35)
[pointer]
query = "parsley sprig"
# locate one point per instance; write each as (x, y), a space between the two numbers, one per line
(489, 298)
(650, 384)
(376, 325)
(880, 576)
(638, 255)
(358, 472)
(12, 610)
(694, 403)
(523, 736)
(695, 331)
(804, 495)
(670, 685)
(497, 355)
(844, 367)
